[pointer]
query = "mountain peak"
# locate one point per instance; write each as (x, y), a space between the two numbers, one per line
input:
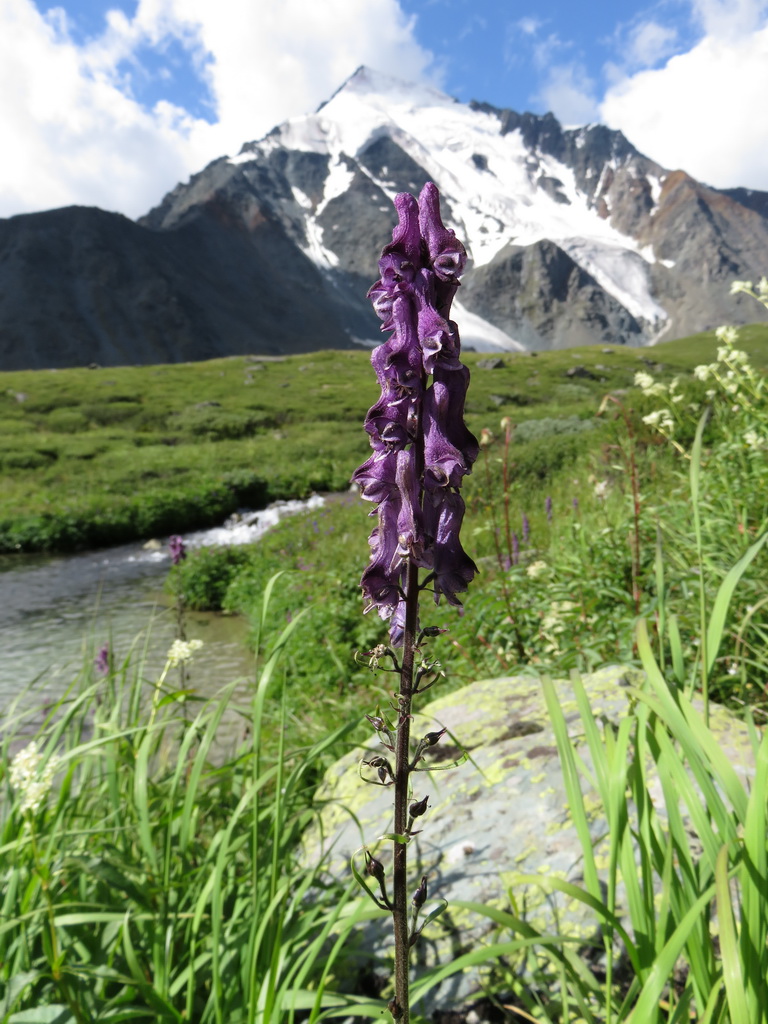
(373, 85)
(574, 238)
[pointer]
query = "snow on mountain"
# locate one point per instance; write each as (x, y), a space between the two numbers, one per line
(497, 190)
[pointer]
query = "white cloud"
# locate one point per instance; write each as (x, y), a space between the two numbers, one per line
(650, 42)
(729, 19)
(569, 93)
(703, 110)
(74, 133)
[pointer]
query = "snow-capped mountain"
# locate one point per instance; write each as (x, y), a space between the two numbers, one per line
(573, 237)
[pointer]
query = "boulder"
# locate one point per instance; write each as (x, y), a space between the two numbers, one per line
(501, 814)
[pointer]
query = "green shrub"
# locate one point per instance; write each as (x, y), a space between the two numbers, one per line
(210, 421)
(536, 430)
(66, 421)
(202, 579)
(105, 414)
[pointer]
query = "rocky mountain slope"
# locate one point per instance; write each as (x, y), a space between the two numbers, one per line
(574, 238)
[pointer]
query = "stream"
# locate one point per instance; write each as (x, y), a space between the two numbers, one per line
(56, 611)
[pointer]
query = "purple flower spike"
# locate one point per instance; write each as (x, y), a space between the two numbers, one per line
(102, 661)
(548, 508)
(177, 549)
(526, 528)
(421, 446)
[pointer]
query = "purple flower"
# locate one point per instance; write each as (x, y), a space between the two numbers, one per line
(102, 661)
(422, 448)
(548, 508)
(515, 549)
(526, 528)
(177, 549)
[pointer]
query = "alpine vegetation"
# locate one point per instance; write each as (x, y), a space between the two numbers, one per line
(422, 449)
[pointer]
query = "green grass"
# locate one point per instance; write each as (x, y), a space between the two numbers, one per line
(102, 456)
(161, 879)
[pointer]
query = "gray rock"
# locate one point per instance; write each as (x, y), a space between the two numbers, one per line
(502, 814)
(580, 371)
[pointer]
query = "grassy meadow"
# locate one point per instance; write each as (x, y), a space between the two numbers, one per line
(92, 457)
(614, 519)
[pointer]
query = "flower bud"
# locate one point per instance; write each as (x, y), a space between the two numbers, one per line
(420, 896)
(374, 867)
(433, 737)
(418, 808)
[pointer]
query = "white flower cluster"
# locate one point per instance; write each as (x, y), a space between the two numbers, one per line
(732, 367)
(30, 778)
(661, 420)
(536, 569)
(760, 292)
(648, 385)
(183, 651)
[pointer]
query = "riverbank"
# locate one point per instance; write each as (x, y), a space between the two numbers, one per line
(59, 610)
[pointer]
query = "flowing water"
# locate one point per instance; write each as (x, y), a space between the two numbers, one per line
(56, 611)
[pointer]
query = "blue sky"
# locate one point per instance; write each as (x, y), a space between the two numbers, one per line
(111, 104)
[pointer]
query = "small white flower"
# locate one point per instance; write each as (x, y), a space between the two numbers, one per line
(710, 393)
(740, 286)
(678, 398)
(182, 651)
(643, 380)
(701, 372)
(601, 488)
(30, 778)
(652, 419)
(753, 440)
(536, 569)
(728, 335)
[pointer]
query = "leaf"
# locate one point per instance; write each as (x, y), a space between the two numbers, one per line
(729, 944)
(56, 1013)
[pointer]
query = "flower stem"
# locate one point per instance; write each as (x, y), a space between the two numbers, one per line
(402, 794)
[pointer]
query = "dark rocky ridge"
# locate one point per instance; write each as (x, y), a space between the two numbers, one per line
(256, 255)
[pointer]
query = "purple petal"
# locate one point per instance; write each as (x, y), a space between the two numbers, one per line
(401, 259)
(452, 566)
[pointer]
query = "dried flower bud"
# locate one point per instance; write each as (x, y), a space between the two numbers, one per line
(418, 808)
(374, 867)
(395, 1009)
(433, 737)
(420, 896)
(433, 631)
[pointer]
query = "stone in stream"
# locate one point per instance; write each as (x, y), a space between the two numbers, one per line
(501, 814)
